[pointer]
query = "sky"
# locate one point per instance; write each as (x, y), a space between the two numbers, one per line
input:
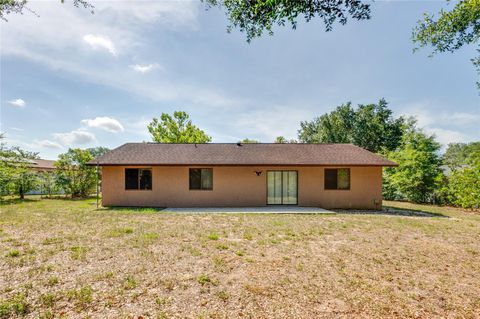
(70, 78)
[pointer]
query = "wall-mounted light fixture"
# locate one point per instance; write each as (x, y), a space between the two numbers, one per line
(258, 173)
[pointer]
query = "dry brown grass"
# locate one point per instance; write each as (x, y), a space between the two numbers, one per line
(64, 258)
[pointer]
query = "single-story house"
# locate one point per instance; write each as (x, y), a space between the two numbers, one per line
(235, 174)
(43, 165)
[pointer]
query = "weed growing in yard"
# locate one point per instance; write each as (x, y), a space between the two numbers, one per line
(161, 302)
(193, 251)
(81, 297)
(78, 252)
(223, 295)
(129, 283)
(13, 253)
(16, 305)
(53, 280)
(168, 284)
(48, 299)
(219, 263)
(247, 236)
(222, 246)
(213, 236)
(204, 279)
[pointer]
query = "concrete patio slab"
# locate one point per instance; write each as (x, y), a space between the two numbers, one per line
(249, 210)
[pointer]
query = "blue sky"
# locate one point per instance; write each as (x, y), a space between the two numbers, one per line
(72, 79)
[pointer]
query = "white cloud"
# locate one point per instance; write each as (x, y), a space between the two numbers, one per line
(100, 41)
(105, 123)
(74, 137)
(265, 123)
(47, 144)
(445, 137)
(17, 103)
(463, 118)
(144, 68)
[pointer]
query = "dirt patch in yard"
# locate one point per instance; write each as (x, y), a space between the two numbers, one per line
(64, 258)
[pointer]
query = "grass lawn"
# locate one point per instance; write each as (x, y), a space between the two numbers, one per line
(62, 258)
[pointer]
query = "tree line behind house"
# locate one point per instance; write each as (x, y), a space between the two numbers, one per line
(71, 176)
(424, 175)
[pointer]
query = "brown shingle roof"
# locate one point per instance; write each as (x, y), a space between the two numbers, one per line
(246, 154)
(43, 164)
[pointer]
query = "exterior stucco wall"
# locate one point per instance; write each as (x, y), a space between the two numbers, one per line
(240, 186)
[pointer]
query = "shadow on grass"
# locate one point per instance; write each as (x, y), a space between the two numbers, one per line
(15, 201)
(393, 211)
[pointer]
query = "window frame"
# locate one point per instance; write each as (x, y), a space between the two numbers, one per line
(139, 177)
(190, 183)
(337, 169)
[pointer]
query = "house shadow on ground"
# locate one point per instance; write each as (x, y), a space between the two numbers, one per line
(393, 211)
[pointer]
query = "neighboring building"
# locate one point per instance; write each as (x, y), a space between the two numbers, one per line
(46, 187)
(43, 165)
(222, 175)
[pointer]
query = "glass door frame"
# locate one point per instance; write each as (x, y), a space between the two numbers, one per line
(296, 182)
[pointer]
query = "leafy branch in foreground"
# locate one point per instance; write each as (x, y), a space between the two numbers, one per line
(17, 6)
(257, 16)
(451, 30)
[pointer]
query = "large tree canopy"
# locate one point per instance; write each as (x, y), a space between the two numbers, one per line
(451, 29)
(259, 16)
(176, 129)
(370, 126)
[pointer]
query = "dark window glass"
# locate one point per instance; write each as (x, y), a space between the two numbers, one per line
(337, 178)
(136, 178)
(131, 178)
(201, 178)
(330, 179)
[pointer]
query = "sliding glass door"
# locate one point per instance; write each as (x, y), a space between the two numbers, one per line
(282, 187)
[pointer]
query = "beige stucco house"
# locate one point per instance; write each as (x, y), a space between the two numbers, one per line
(231, 174)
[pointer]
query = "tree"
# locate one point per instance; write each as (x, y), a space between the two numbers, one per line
(458, 155)
(48, 183)
(16, 175)
(73, 175)
(98, 151)
(451, 30)
(370, 126)
(176, 129)
(17, 6)
(464, 187)
(418, 174)
(256, 17)
(248, 141)
(283, 140)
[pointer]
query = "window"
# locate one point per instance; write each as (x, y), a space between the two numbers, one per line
(138, 178)
(201, 178)
(337, 178)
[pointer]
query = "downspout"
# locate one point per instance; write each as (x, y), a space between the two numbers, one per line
(97, 186)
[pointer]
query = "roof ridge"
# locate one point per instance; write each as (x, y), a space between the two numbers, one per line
(234, 143)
